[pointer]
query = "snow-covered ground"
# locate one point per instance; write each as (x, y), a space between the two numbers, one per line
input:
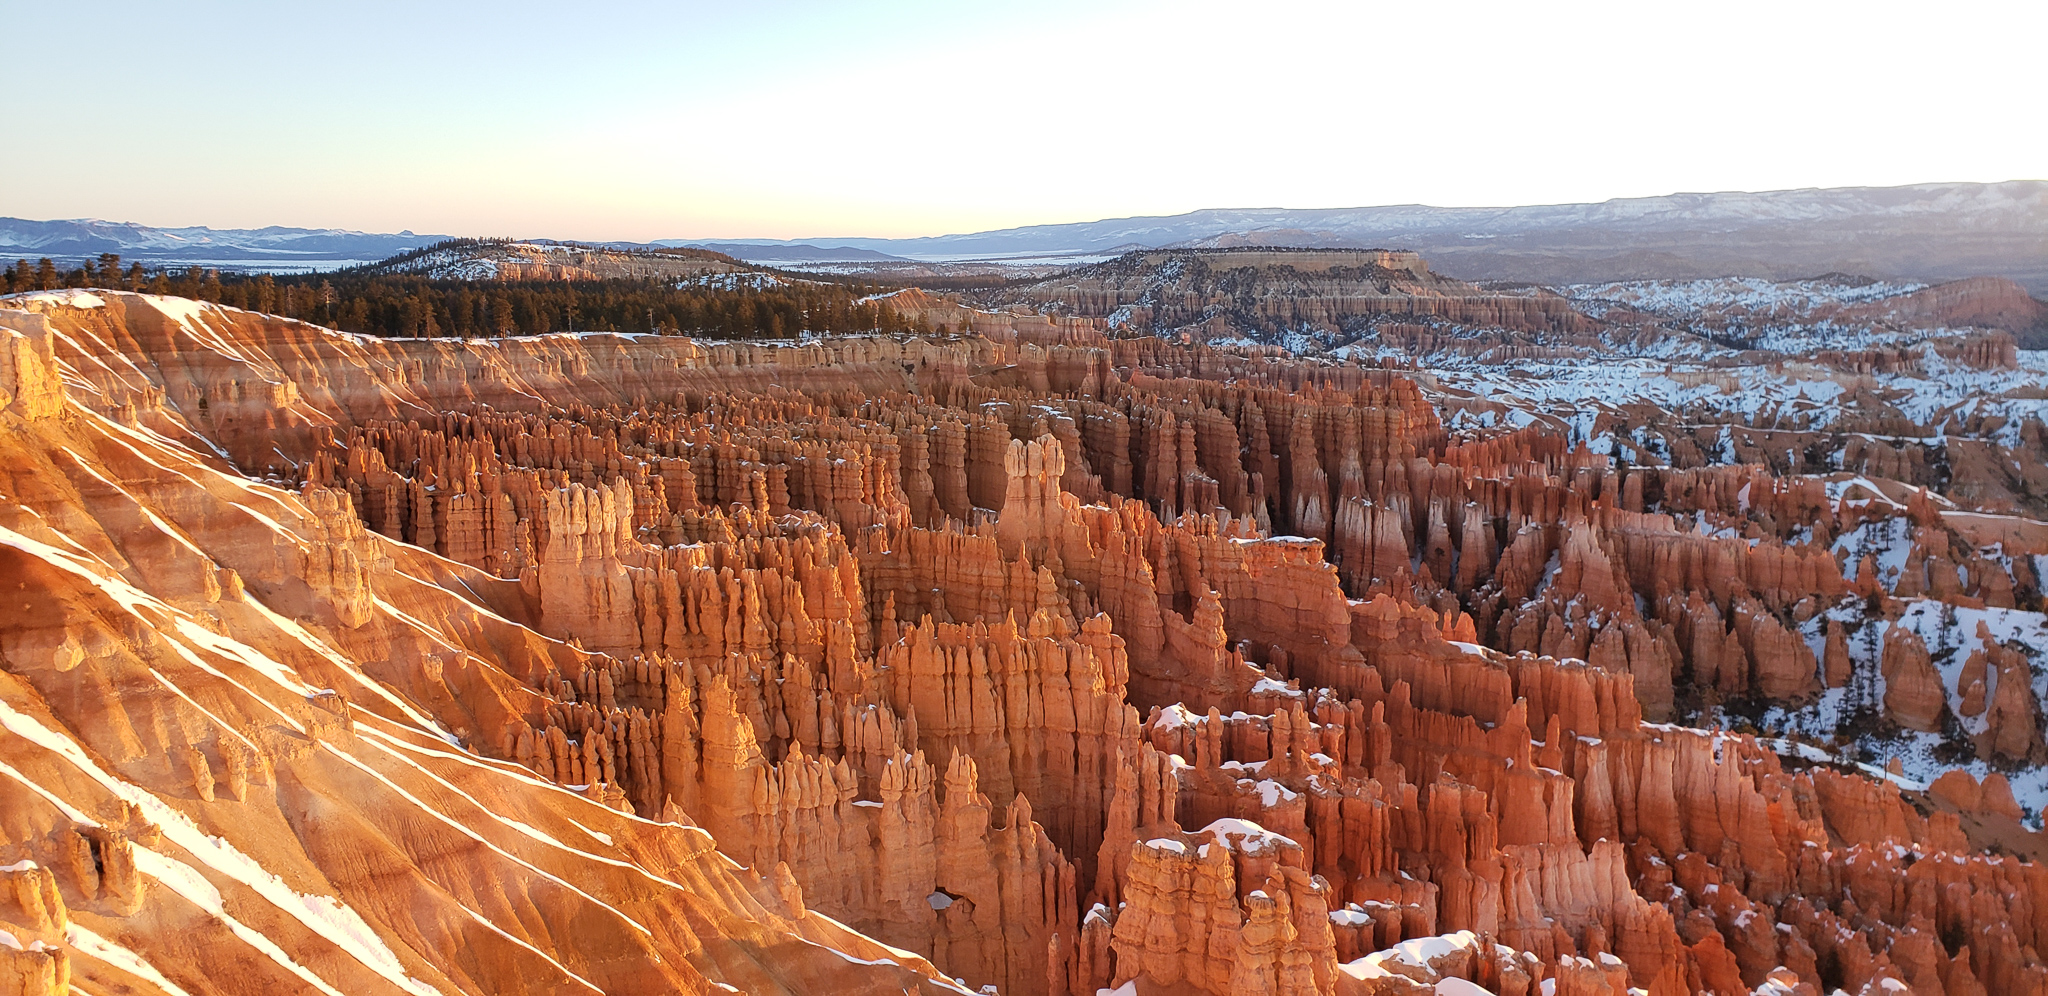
(1721, 359)
(1820, 398)
(491, 260)
(733, 281)
(1744, 352)
(1789, 300)
(1951, 635)
(450, 264)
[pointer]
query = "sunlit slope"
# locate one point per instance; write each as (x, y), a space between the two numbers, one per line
(234, 755)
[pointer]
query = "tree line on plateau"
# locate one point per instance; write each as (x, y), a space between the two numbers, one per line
(402, 306)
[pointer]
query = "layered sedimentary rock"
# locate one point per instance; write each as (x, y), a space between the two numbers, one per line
(1270, 290)
(1032, 659)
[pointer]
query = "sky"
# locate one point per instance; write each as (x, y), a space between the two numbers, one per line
(789, 118)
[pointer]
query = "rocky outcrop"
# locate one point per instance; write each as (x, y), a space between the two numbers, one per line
(1992, 302)
(31, 386)
(33, 959)
(1913, 693)
(1267, 290)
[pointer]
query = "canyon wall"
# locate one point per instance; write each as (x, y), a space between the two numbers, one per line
(1263, 290)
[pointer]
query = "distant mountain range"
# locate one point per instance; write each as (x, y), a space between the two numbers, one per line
(279, 249)
(275, 249)
(773, 253)
(1930, 231)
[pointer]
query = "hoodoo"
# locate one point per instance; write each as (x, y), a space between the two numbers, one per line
(1032, 657)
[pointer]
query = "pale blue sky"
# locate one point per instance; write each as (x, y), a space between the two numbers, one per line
(787, 119)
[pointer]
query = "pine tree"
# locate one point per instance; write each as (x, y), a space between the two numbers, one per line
(428, 327)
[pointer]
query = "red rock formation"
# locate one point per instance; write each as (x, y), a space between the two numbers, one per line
(2012, 718)
(1913, 693)
(878, 620)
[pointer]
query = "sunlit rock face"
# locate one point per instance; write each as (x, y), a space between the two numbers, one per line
(1025, 656)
